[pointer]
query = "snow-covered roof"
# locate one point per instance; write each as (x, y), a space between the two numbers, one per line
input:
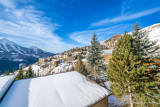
(55, 59)
(5, 82)
(69, 89)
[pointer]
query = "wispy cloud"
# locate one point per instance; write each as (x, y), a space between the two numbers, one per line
(126, 17)
(29, 25)
(84, 37)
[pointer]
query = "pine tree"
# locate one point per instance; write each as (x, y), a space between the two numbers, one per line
(56, 64)
(29, 73)
(152, 86)
(148, 51)
(72, 69)
(126, 79)
(79, 64)
(142, 43)
(13, 71)
(20, 74)
(85, 72)
(7, 72)
(95, 58)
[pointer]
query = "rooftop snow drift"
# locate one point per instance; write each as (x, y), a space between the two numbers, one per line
(5, 82)
(60, 90)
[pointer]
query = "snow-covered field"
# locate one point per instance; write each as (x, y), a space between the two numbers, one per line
(40, 71)
(62, 68)
(5, 82)
(154, 32)
(69, 89)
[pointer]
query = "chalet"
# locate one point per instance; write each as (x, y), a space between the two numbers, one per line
(65, 56)
(55, 62)
(70, 89)
(84, 62)
(107, 54)
(42, 60)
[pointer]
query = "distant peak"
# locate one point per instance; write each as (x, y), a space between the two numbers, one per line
(4, 41)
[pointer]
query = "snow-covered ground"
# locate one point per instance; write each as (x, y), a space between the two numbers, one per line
(106, 51)
(5, 82)
(62, 68)
(112, 100)
(69, 89)
(154, 32)
(40, 71)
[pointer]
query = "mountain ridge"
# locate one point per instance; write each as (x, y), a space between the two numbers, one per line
(13, 55)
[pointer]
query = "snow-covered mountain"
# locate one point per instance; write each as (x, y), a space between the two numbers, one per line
(153, 33)
(9, 49)
(13, 55)
(111, 42)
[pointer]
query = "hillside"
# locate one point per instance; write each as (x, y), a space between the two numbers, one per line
(153, 32)
(111, 42)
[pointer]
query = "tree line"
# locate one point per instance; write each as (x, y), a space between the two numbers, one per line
(134, 69)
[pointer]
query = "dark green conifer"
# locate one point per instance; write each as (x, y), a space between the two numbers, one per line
(20, 74)
(95, 58)
(141, 42)
(72, 69)
(148, 51)
(29, 73)
(7, 72)
(85, 72)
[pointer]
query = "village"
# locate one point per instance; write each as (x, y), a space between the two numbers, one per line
(65, 62)
(60, 77)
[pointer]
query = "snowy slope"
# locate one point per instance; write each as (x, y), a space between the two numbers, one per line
(154, 32)
(60, 90)
(62, 68)
(5, 83)
(40, 71)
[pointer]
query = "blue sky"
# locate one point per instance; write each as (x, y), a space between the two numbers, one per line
(58, 25)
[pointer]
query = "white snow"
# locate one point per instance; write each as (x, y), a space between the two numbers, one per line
(62, 68)
(55, 60)
(107, 84)
(69, 89)
(40, 71)
(5, 82)
(106, 51)
(112, 100)
(84, 60)
(10, 46)
(103, 43)
(17, 59)
(154, 32)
